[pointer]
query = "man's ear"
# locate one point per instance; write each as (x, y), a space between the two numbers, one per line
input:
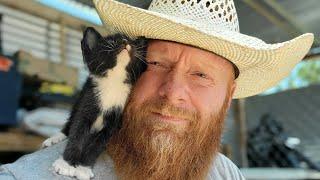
(90, 39)
(232, 89)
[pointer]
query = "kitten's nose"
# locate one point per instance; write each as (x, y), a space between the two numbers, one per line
(128, 47)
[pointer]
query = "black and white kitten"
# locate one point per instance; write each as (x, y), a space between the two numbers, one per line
(114, 62)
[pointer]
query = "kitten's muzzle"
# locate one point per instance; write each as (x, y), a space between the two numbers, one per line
(125, 45)
(128, 47)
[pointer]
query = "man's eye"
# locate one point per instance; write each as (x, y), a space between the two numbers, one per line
(157, 64)
(154, 63)
(200, 74)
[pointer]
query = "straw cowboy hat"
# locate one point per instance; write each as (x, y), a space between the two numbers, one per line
(213, 26)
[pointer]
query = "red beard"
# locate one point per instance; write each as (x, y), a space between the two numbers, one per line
(147, 148)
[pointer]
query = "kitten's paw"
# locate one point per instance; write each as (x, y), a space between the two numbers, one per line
(53, 140)
(80, 172)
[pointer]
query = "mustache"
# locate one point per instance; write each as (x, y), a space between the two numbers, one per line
(163, 107)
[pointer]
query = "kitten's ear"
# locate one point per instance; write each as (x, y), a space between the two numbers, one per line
(91, 38)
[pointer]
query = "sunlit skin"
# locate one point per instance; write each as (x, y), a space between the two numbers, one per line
(187, 77)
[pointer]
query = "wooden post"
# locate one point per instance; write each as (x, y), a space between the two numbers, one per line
(62, 42)
(240, 121)
(47, 43)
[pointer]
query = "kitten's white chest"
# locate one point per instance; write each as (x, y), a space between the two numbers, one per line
(113, 92)
(111, 89)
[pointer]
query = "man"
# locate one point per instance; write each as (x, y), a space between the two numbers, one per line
(197, 62)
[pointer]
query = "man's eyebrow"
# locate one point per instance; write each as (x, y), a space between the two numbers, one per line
(206, 66)
(204, 63)
(158, 54)
(158, 50)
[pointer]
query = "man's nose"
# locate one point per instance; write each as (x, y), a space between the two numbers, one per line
(174, 87)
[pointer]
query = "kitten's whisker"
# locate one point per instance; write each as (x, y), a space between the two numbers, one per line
(99, 66)
(134, 75)
(145, 52)
(105, 43)
(142, 56)
(107, 46)
(105, 50)
(113, 43)
(140, 47)
(140, 50)
(139, 56)
(110, 46)
(90, 63)
(142, 60)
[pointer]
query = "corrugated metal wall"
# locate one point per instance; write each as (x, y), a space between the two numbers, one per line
(41, 38)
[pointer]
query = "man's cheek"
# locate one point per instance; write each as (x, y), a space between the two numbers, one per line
(139, 92)
(144, 89)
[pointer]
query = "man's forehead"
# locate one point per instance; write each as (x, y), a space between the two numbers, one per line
(164, 48)
(163, 45)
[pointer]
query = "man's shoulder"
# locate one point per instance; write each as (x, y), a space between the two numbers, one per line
(38, 165)
(224, 168)
(35, 165)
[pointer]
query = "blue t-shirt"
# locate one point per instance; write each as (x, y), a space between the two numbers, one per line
(38, 165)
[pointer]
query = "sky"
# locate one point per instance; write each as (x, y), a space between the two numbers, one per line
(74, 8)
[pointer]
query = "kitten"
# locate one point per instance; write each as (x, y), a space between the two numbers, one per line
(114, 62)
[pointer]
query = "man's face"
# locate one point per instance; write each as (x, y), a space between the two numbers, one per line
(186, 77)
(174, 117)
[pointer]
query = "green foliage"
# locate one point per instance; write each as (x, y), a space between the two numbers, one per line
(304, 74)
(310, 72)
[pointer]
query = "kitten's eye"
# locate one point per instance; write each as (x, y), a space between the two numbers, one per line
(125, 41)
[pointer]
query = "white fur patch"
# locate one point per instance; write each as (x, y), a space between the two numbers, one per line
(112, 89)
(53, 140)
(97, 125)
(80, 172)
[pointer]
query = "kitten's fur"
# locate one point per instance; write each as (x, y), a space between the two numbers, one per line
(98, 111)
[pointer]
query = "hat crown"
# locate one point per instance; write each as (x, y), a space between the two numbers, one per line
(216, 14)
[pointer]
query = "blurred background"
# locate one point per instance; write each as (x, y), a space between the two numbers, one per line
(273, 135)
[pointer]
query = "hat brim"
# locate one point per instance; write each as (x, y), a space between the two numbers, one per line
(261, 65)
